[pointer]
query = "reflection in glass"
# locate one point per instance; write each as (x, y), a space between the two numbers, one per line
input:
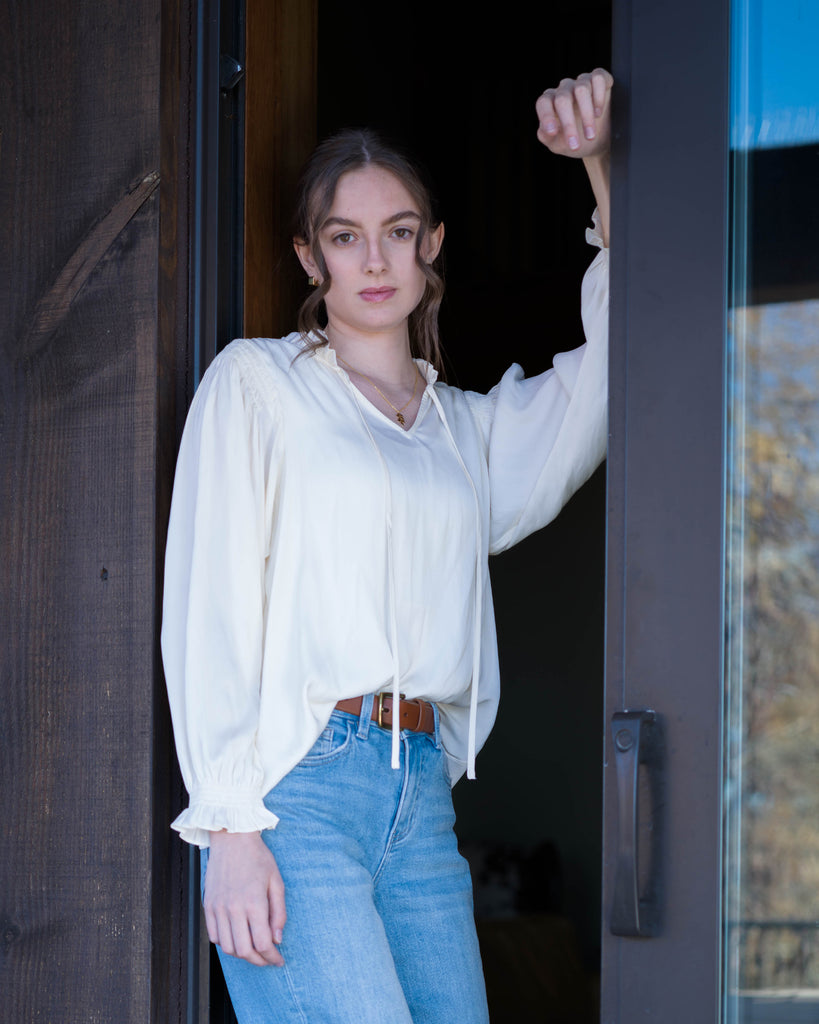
(771, 736)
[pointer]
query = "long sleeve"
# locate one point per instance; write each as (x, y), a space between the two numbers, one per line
(213, 615)
(546, 435)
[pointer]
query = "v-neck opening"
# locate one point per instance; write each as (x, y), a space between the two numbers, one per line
(331, 360)
(409, 431)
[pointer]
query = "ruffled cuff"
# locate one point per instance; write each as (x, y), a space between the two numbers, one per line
(594, 234)
(208, 813)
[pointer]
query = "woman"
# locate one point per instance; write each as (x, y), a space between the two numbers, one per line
(328, 633)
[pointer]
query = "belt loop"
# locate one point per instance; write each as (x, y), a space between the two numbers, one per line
(436, 716)
(365, 718)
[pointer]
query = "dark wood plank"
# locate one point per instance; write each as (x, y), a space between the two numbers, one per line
(281, 133)
(88, 929)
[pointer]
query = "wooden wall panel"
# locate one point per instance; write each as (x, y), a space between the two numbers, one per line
(280, 135)
(79, 420)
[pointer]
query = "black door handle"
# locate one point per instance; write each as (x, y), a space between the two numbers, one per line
(635, 904)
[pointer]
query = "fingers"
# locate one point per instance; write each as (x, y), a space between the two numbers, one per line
(244, 899)
(571, 114)
(264, 941)
(212, 925)
(584, 103)
(276, 904)
(547, 117)
(234, 936)
(568, 105)
(602, 82)
(246, 933)
(267, 923)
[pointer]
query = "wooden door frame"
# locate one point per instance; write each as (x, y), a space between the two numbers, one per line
(199, 315)
(281, 49)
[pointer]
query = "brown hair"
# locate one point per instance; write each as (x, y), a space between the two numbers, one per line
(351, 150)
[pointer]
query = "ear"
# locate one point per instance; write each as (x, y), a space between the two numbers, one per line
(433, 240)
(305, 255)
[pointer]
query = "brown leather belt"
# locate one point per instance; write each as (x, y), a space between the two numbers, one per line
(415, 715)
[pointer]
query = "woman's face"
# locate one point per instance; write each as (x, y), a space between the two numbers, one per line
(368, 242)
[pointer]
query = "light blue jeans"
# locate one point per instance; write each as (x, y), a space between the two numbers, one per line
(380, 926)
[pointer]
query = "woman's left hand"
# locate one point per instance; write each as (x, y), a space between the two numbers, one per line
(574, 118)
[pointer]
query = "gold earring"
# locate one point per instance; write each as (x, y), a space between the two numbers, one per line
(312, 281)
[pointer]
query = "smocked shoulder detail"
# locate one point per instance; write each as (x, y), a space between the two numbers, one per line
(258, 371)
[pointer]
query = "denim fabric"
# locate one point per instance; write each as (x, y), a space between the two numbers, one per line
(380, 925)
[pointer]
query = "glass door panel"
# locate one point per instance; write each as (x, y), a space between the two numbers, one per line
(771, 735)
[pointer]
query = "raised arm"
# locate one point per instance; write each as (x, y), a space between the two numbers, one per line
(574, 120)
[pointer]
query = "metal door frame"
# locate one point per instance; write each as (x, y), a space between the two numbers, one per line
(665, 493)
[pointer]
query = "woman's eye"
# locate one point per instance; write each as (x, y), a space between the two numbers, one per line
(343, 238)
(403, 233)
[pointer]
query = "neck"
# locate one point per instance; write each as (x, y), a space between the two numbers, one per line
(386, 356)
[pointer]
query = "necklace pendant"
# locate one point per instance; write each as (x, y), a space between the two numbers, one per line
(400, 417)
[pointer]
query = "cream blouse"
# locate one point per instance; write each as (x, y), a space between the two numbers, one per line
(317, 551)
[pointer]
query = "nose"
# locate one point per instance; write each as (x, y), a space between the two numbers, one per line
(375, 260)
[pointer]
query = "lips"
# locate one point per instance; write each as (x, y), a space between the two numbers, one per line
(377, 294)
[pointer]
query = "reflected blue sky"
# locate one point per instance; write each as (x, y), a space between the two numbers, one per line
(775, 83)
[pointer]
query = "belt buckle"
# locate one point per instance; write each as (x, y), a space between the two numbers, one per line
(379, 720)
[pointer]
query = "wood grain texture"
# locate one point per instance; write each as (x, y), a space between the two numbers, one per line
(79, 417)
(280, 135)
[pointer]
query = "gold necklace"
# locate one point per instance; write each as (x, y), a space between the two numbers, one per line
(399, 413)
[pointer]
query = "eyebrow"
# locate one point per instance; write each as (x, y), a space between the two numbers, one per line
(344, 223)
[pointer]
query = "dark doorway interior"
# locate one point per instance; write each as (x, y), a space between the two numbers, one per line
(459, 91)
